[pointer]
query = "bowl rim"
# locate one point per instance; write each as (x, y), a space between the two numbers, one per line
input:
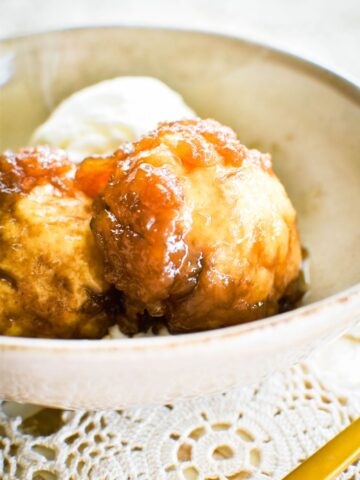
(351, 295)
(324, 72)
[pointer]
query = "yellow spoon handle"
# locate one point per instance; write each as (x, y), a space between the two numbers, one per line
(333, 458)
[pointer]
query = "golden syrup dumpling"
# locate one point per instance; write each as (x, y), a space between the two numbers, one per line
(51, 272)
(196, 228)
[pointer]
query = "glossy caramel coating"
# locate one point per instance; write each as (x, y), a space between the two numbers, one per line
(51, 271)
(94, 173)
(196, 228)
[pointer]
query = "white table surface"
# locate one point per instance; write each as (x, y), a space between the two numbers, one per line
(327, 31)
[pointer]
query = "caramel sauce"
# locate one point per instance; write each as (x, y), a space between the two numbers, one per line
(22, 171)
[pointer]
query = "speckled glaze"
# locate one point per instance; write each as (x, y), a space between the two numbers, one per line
(306, 116)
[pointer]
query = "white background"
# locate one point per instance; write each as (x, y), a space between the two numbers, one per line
(327, 31)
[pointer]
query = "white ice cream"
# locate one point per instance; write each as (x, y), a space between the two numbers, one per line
(97, 119)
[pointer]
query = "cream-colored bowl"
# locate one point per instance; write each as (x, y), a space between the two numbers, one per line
(306, 116)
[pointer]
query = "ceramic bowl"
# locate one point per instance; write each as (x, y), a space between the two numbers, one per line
(306, 116)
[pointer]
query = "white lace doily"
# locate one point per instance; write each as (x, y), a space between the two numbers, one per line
(252, 433)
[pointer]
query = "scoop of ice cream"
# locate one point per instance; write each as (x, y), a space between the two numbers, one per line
(97, 119)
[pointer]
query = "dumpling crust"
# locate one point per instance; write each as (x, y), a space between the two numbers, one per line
(51, 271)
(196, 228)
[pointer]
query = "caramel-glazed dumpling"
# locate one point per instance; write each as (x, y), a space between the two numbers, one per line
(196, 228)
(51, 272)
